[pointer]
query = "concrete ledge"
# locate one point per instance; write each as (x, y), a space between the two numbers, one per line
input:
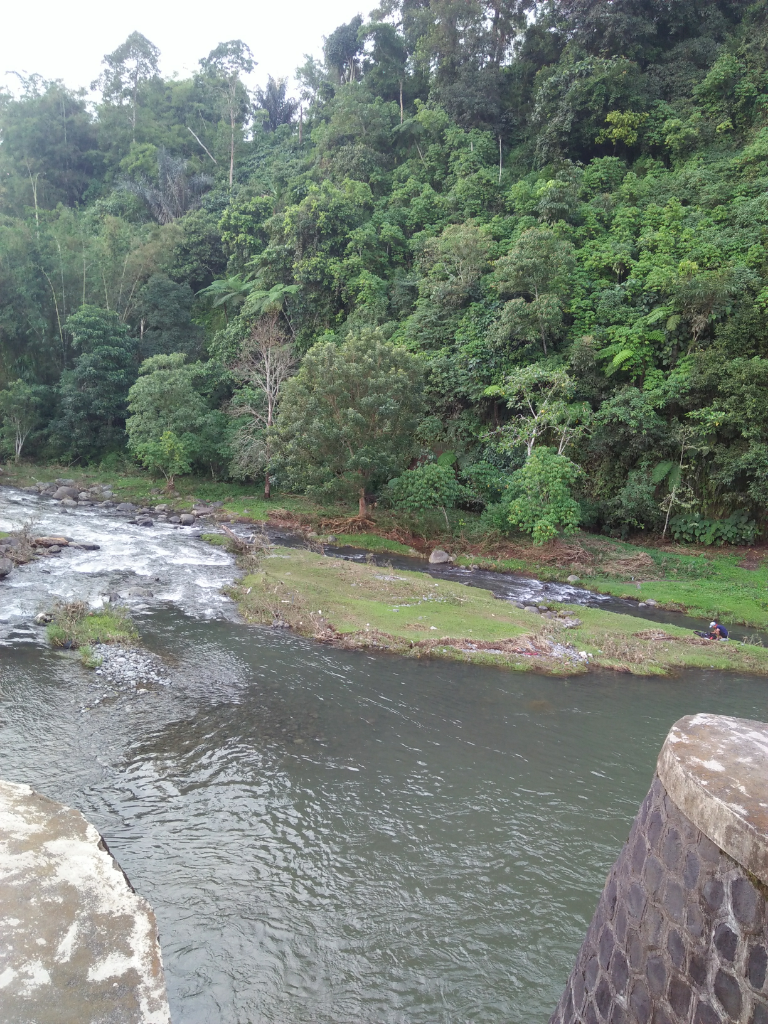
(715, 769)
(76, 942)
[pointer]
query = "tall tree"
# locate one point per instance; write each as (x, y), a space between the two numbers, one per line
(263, 365)
(223, 68)
(94, 392)
(126, 69)
(276, 104)
(348, 418)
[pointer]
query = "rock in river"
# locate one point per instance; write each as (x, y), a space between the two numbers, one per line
(187, 519)
(66, 492)
(78, 943)
(439, 557)
(5, 567)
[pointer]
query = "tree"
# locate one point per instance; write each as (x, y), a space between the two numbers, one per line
(163, 317)
(426, 487)
(544, 502)
(279, 109)
(176, 193)
(167, 453)
(222, 68)
(538, 267)
(347, 419)
(342, 49)
(95, 390)
(169, 399)
(538, 396)
(127, 68)
(19, 413)
(262, 367)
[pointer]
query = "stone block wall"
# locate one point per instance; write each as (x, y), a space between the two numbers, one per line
(680, 935)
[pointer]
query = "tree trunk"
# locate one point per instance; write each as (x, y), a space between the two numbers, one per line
(362, 504)
(232, 154)
(401, 101)
(267, 487)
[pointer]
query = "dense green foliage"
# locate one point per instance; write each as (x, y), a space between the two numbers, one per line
(558, 212)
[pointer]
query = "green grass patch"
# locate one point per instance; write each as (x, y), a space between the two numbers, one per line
(703, 583)
(372, 542)
(75, 626)
(361, 605)
(218, 540)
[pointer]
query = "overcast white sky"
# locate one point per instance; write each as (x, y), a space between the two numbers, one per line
(68, 40)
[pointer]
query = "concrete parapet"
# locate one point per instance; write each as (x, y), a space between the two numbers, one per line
(77, 944)
(680, 935)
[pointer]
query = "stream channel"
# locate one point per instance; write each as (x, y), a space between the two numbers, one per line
(326, 836)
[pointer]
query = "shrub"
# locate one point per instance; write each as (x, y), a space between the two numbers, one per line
(691, 528)
(544, 503)
(427, 487)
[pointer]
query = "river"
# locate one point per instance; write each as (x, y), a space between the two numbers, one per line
(329, 836)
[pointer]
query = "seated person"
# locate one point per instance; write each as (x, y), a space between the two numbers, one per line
(717, 632)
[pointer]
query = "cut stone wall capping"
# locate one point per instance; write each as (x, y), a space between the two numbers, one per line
(76, 942)
(680, 935)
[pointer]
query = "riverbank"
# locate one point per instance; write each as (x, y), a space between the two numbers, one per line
(362, 606)
(730, 584)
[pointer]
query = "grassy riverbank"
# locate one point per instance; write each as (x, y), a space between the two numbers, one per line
(364, 606)
(729, 584)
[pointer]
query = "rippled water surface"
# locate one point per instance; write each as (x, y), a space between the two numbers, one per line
(332, 837)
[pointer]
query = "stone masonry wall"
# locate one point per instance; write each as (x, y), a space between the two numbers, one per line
(680, 935)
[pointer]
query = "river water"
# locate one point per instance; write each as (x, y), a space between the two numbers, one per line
(329, 836)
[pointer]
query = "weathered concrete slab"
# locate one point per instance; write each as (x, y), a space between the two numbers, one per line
(77, 944)
(716, 770)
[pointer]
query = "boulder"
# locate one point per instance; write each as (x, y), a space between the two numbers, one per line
(125, 506)
(174, 519)
(161, 508)
(573, 579)
(5, 567)
(137, 592)
(30, 490)
(531, 608)
(66, 492)
(87, 545)
(43, 618)
(65, 483)
(439, 557)
(651, 603)
(145, 521)
(69, 502)
(54, 549)
(84, 496)
(187, 519)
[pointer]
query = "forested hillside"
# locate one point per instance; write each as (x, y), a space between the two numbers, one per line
(527, 242)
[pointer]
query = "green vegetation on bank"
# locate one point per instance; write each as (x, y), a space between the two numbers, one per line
(368, 607)
(503, 261)
(706, 583)
(76, 627)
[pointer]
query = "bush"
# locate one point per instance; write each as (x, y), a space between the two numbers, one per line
(544, 503)
(635, 506)
(691, 528)
(426, 487)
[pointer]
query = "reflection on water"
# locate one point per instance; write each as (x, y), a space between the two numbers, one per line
(333, 837)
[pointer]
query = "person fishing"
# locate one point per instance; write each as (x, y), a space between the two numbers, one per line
(716, 632)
